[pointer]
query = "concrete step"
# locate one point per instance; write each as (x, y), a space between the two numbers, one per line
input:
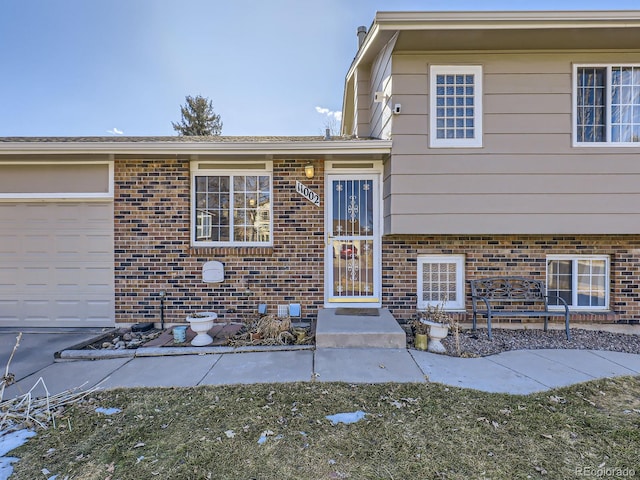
(358, 328)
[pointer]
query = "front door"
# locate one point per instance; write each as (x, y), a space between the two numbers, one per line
(353, 241)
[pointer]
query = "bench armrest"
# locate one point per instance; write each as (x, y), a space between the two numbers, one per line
(475, 298)
(563, 302)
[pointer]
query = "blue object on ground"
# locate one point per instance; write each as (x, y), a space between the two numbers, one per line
(179, 334)
(108, 411)
(346, 418)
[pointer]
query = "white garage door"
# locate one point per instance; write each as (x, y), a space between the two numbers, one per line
(56, 264)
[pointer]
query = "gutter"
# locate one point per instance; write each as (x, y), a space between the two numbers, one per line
(489, 20)
(334, 147)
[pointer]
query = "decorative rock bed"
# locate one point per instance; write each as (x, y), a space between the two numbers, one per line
(122, 339)
(476, 344)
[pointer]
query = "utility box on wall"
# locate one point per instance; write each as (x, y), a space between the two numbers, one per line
(213, 272)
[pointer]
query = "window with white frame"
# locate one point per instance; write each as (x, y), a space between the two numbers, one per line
(231, 207)
(580, 280)
(606, 104)
(455, 106)
(441, 281)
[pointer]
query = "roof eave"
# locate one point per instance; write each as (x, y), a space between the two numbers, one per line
(507, 19)
(331, 147)
(386, 24)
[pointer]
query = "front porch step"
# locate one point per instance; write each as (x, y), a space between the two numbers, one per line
(355, 330)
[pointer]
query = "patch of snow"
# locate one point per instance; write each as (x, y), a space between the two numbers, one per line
(263, 436)
(346, 418)
(10, 441)
(108, 411)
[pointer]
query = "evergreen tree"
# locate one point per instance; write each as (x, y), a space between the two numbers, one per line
(198, 118)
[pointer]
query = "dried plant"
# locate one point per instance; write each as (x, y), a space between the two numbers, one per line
(29, 410)
(8, 378)
(269, 330)
(419, 327)
(436, 313)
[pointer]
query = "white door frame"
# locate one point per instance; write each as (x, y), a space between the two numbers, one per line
(368, 170)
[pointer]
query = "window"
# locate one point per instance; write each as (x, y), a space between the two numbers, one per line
(231, 207)
(607, 104)
(441, 280)
(456, 106)
(582, 281)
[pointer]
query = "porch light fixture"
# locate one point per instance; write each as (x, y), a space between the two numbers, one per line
(309, 171)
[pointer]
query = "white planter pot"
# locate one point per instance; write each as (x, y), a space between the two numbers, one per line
(437, 332)
(201, 324)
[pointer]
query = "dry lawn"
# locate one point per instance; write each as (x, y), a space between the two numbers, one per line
(410, 431)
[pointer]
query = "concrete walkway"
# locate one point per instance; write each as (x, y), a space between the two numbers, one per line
(516, 372)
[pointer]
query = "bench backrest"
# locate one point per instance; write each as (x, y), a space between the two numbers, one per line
(509, 288)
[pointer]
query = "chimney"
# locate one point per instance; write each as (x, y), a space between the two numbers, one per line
(327, 134)
(362, 32)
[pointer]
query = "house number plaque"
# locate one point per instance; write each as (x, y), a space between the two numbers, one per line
(307, 193)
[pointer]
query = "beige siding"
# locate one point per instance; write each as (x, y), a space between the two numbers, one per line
(361, 121)
(381, 82)
(520, 83)
(495, 224)
(521, 203)
(515, 123)
(587, 162)
(54, 178)
(527, 177)
(516, 185)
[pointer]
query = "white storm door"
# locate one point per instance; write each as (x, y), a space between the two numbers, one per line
(353, 256)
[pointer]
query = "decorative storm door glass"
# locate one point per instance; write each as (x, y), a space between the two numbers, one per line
(353, 240)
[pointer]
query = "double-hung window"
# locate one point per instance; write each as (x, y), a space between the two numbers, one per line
(455, 106)
(441, 281)
(581, 280)
(606, 104)
(231, 205)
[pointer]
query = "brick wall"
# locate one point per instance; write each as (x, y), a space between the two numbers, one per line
(513, 255)
(153, 252)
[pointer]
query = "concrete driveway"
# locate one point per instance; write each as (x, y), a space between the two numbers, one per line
(38, 347)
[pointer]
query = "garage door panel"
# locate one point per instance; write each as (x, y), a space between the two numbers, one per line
(69, 244)
(83, 278)
(38, 244)
(56, 264)
(56, 310)
(100, 244)
(9, 243)
(8, 276)
(7, 213)
(33, 278)
(31, 248)
(99, 278)
(9, 310)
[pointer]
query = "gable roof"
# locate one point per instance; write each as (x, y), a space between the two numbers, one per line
(491, 31)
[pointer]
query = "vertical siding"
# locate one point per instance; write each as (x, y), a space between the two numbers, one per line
(361, 96)
(527, 177)
(381, 82)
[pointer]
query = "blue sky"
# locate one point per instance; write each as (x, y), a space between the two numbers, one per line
(99, 68)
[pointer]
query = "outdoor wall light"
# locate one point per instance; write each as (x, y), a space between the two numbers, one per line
(309, 171)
